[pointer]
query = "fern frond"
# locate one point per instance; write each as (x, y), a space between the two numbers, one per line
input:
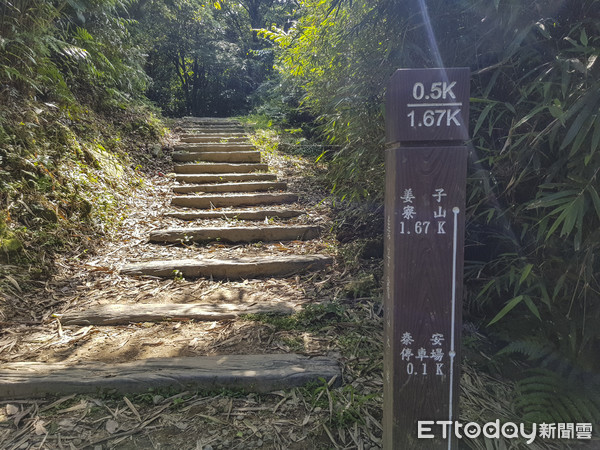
(531, 348)
(549, 396)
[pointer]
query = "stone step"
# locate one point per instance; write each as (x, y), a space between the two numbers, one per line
(233, 235)
(232, 187)
(199, 138)
(124, 314)
(239, 214)
(230, 157)
(223, 201)
(254, 373)
(204, 147)
(233, 268)
(224, 177)
(220, 168)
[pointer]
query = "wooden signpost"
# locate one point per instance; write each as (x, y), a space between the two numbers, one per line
(426, 126)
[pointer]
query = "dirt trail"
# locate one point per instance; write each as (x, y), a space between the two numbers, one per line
(157, 322)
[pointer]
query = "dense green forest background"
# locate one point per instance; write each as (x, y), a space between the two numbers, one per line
(84, 86)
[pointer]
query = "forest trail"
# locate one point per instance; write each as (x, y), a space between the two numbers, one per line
(208, 314)
(207, 147)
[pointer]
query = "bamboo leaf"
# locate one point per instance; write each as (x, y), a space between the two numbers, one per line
(529, 116)
(581, 136)
(595, 137)
(556, 198)
(567, 218)
(526, 272)
(320, 156)
(532, 306)
(559, 285)
(486, 288)
(574, 216)
(583, 37)
(577, 124)
(509, 306)
(595, 198)
(482, 117)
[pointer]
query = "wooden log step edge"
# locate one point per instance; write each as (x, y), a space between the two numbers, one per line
(236, 234)
(216, 130)
(154, 312)
(224, 177)
(232, 187)
(197, 136)
(191, 140)
(219, 157)
(236, 214)
(220, 168)
(200, 147)
(225, 200)
(198, 119)
(219, 127)
(231, 268)
(210, 123)
(252, 373)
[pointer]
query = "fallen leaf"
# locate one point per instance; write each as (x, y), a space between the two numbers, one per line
(181, 425)
(19, 416)
(39, 428)
(67, 424)
(13, 282)
(11, 410)
(133, 409)
(111, 426)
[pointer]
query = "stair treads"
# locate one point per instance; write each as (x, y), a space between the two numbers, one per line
(186, 139)
(209, 126)
(233, 268)
(123, 314)
(207, 119)
(255, 373)
(224, 177)
(236, 214)
(214, 147)
(225, 200)
(209, 123)
(232, 187)
(219, 157)
(216, 129)
(220, 168)
(265, 233)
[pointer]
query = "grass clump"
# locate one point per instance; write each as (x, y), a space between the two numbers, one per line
(311, 318)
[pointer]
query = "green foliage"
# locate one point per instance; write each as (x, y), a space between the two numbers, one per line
(203, 57)
(66, 51)
(363, 285)
(545, 396)
(346, 405)
(538, 157)
(71, 89)
(332, 63)
(312, 317)
(533, 194)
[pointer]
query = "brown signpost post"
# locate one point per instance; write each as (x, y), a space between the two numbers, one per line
(426, 164)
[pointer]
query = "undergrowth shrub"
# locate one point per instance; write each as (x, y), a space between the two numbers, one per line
(71, 90)
(532, 285)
